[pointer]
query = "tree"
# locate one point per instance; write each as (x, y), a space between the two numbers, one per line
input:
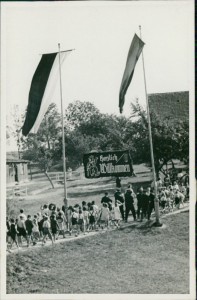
(170, 139)
(42, 146)
(14, 130)
(79, 111)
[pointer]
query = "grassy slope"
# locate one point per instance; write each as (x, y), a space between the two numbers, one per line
(77, 189)
(131, 260)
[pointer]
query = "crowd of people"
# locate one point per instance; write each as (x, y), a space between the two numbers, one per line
(52, 222)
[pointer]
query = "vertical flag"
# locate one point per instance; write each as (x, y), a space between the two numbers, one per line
(41, 91)
(133, 55)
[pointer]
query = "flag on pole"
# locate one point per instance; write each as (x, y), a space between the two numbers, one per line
(133, 55)
(41, 91)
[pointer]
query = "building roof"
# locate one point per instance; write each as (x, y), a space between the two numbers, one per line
(173, 105)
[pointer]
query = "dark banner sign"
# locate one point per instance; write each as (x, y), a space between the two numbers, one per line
(104, 164)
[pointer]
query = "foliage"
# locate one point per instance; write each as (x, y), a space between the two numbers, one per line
(87, 129)
(170, 139)
(41, 147)
(78, 112)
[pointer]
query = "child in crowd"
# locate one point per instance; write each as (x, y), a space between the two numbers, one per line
(40, 225)
(46, 230)
(84, 204)
(45, 209)
(13, 233)
(116, 214)
(104, 216)
(81, 221)
(29, 227)
(86, 219)
(7, 230)
(183, 190)
(74, 220)
(61, 225)
(92, 220)
(89, 205)
(163, 201)
(22, 214)
(69, 216)
(35, 229)
(21, 228)
(54, 226)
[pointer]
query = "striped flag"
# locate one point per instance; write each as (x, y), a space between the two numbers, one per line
(41, 91)
(133, 55)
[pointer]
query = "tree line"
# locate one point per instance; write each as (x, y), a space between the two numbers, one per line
(87, 129)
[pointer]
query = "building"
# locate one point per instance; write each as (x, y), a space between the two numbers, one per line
(174, 106)
(16, 169)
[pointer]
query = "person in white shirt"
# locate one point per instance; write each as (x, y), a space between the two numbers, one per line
(104, 216)
(46, 230)
(45, 210)
(22, 215)
(175, 187)
(74, 221)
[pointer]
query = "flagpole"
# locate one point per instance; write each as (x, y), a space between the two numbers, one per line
(63, 136)
(156, 201)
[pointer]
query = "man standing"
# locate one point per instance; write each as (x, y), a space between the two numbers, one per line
(118, 182)
(151, 198)
(118, 196)
(129, 200)
(145, 204)
(140, 200)
(106, 199)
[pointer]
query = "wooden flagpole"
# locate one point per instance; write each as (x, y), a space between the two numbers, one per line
(63, 136)
(156, 201)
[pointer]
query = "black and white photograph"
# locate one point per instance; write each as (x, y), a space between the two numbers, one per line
(97, 150)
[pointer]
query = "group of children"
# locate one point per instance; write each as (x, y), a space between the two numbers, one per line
(172, 196)
(53, 222)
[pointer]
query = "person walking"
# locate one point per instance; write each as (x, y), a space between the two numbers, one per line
(129, 200)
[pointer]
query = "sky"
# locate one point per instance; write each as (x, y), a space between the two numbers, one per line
(101, 34)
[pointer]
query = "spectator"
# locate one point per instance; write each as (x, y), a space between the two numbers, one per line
(140, 199)
(129, 200)
(106, 199)
(151, 198)
(118, 182)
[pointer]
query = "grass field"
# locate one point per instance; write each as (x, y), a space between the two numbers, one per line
(135, 260)
(78, 190)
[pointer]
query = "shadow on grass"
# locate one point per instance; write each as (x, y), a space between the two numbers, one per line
(144, 229)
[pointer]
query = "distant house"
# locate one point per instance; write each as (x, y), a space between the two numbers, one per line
(170, 105)
(16, 169)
